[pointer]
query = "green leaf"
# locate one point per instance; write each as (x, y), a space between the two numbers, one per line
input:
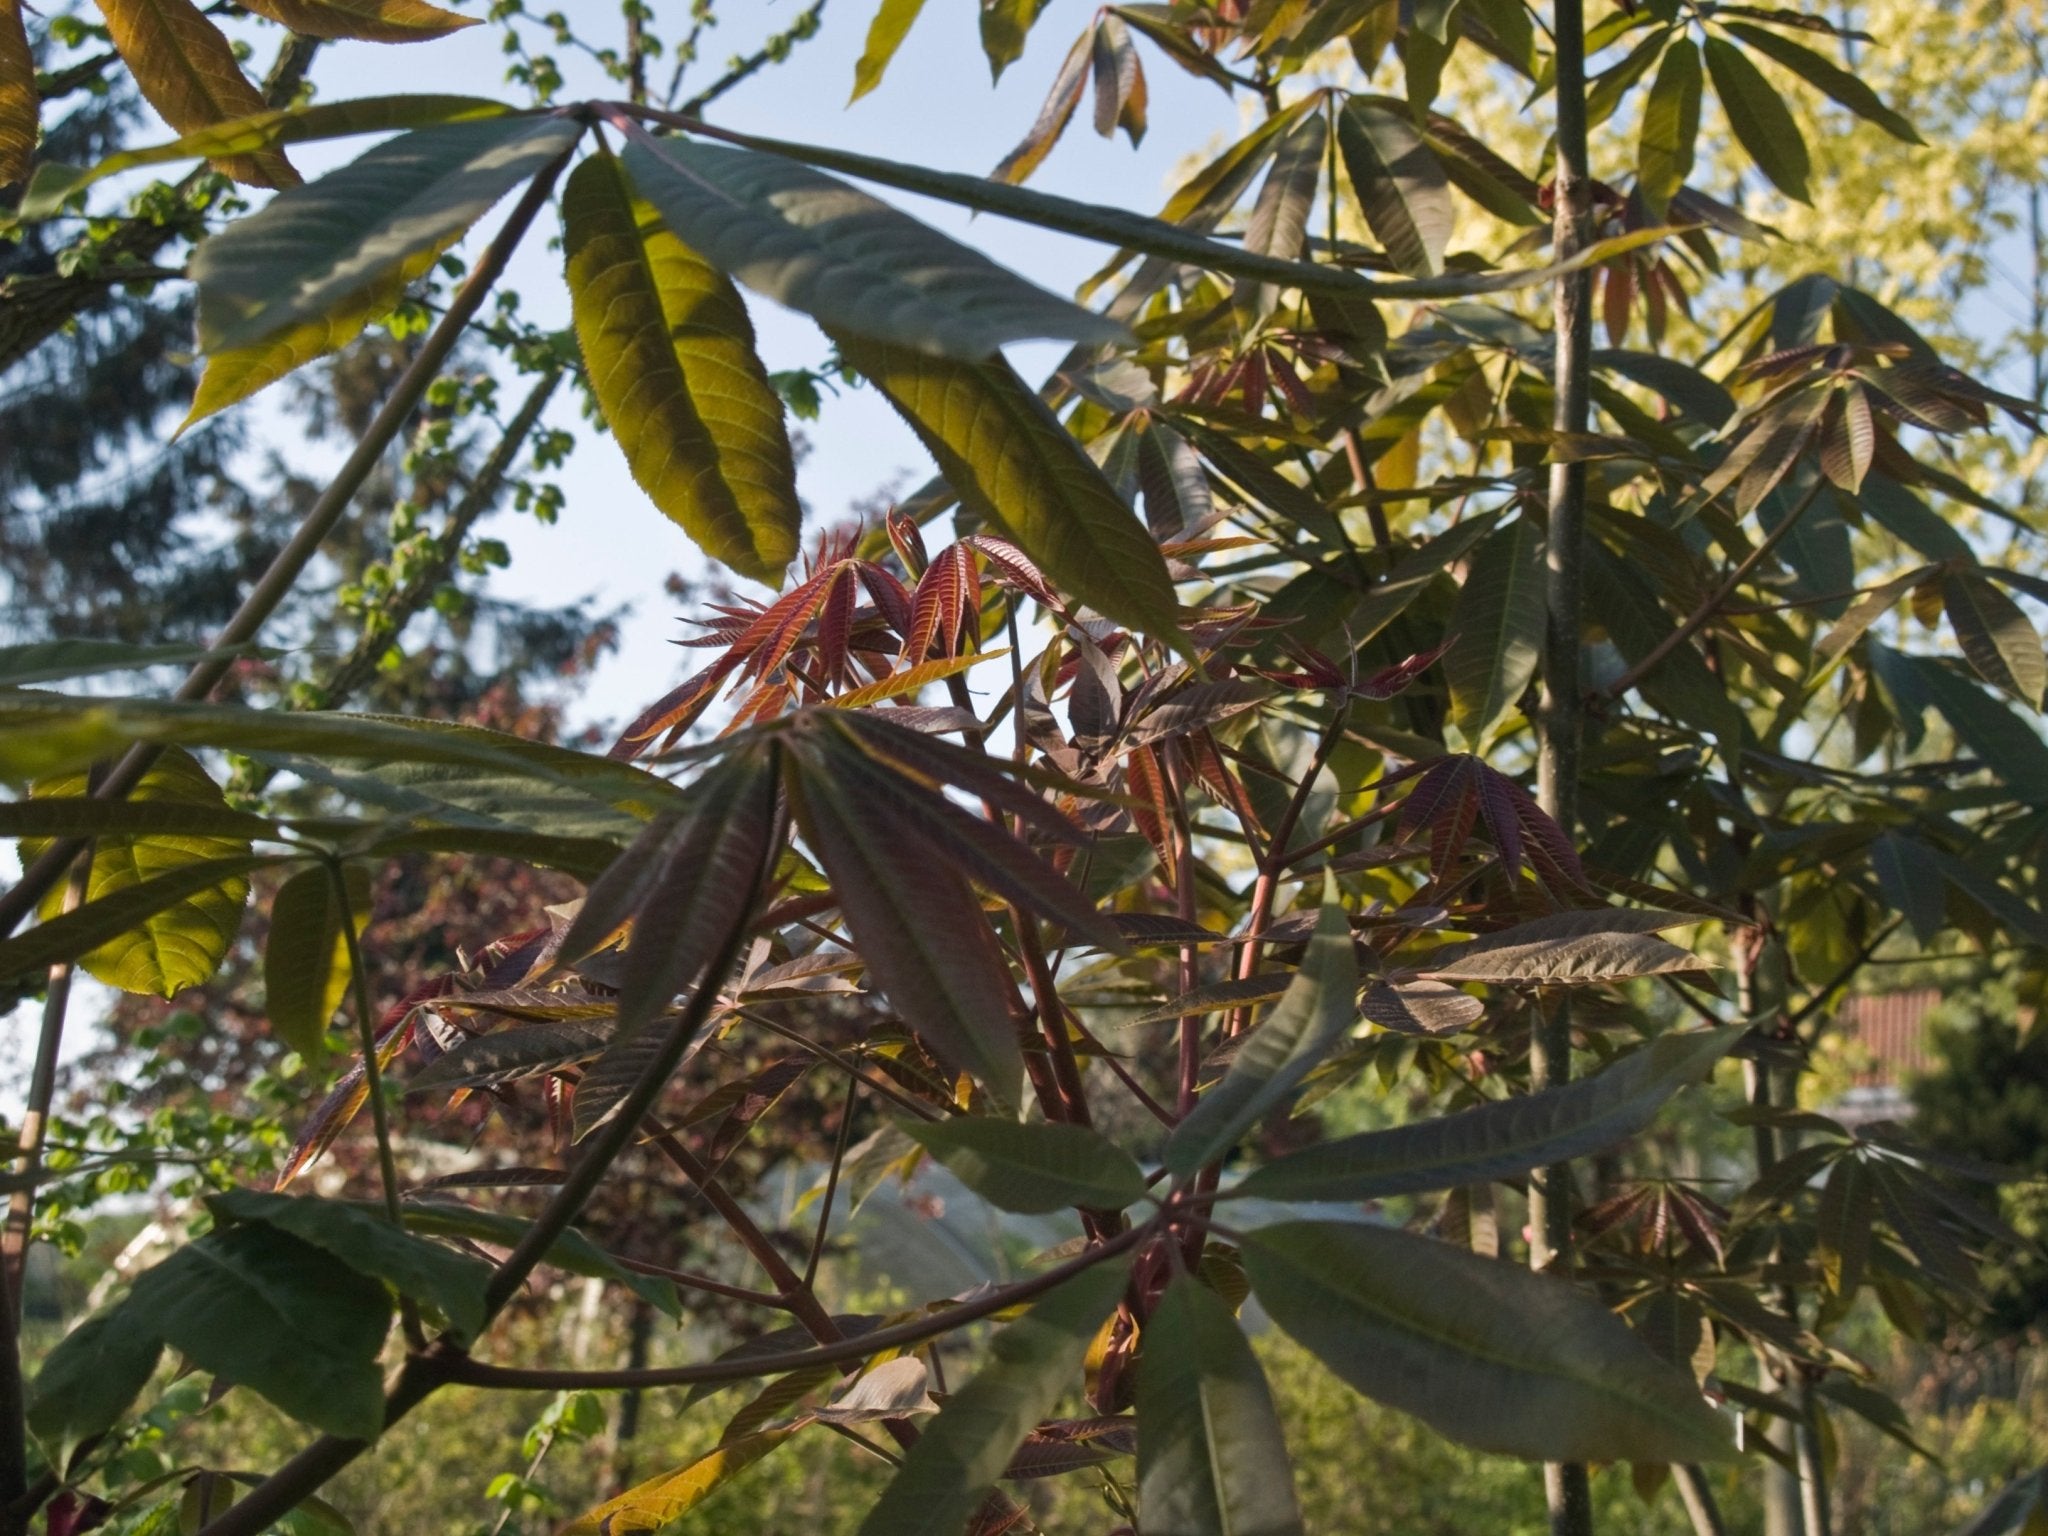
(1011, 461)
(1211, 1460)
(1318, 1009)
(848, 260)
(186, 68)
(2005, 743)
(1498, 623)
(1032, 1169)
(1498, 1140)
(277, 1315)
(1999, 640)
(370, 21)
(370, 1245)
(1671, 125)
(1911, 882)
(1762, 123)
(656, 1503)
(571, 1251)
(670, 355)
(1401, 185)
(1005, 24)
(305, 960)
(160, 908)
(886, 32)
(962, 1452)
(49, 661)
(87, 1382)
(55, 182)
(319, 248)
(1486, 1353)
(1068, 86)
(1826, 77)
(1842, 1222)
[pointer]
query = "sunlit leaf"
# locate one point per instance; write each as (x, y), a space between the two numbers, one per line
(186, 69)
(1999, 640)
(892, 23)
(1671, 124)
(655, 1503)
(372, 21)
(305, 958)
(1401, 185)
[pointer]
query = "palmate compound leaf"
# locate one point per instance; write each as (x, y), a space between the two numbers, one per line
(1211, 1460)
(1010, 460)
(186, 68)
(1032, 1169)
(1499, 1140)
(369, 1244)
(1318, 1009)
(320, 247)
(670, 355)
(1487, 1354)
(167, 925)
(261, 1308)
(962, 1452)
(848, 260)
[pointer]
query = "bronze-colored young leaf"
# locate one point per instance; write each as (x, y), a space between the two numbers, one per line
(1512, 957)
(1317, 1010)
(370, 21)
(1483, 1352)
(962, 1452)
(321, 247)
(160, 908)
(670, 355)
(186, 69)
(1211, 1460)
(1009, 459)
(1400, 183)
(1499, 1140)
(1068, 86)
(512, 1056)
(1033, 1169)
(848, 260)
(20, 105)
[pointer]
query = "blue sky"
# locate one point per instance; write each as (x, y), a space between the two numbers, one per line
(936, 107)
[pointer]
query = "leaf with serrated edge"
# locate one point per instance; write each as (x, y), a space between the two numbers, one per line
(1032, 1169)
(1318, 1009)
(963, 1451)
(368, 1243)
(186, 68)
(1499, 1140)
(1483, 1352)
(1008, 458)
(273, 1313)
(848, 260)
(1762, 123)
(318, 247)
(1211, 1460)
(670, 355)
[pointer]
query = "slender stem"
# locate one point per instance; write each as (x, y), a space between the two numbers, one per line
(373, 1081)
(1700, 1505)
(35, 1121)
(692, 1281)
(276, 583)
(1560, 714)
(462, 1370)
(13, 1418)
(839, 1147)
(844, 1063)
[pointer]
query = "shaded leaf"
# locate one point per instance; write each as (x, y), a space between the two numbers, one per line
(320, 247)
(1498, 623)
(1401, 185)
(848, 260)
(1568, 949)
(1033, 1168)
(1318, 1010)
(1483, 1352)
(1671, 124)
(1762, 123)
(88, 1380)
(1999, 640)
(1498, 1140)
(670, 356)
(1827, 77)
(572, 1251)
(963, 1451)
(1211, 1460)
(892, 23)
(369, 1244)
